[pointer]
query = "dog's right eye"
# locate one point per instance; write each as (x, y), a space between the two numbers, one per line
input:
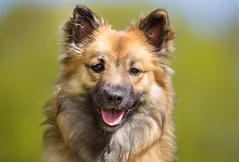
(134, 71)
(98, 68)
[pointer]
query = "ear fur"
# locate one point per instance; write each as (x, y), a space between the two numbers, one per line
(81, 25)
(78, 29)
(156, 29)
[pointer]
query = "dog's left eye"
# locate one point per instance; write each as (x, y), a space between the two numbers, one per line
(134, 71)
(98, 68)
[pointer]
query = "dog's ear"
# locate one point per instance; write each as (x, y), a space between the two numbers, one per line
(156, 28)
(81, 25)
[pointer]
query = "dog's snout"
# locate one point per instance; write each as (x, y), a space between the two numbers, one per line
(114, 96)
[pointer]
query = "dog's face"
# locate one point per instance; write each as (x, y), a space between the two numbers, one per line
(118, 71)
(121, 72)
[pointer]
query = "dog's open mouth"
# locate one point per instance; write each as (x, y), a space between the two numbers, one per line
(112, 117)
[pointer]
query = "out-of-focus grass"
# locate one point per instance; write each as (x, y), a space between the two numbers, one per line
(207, 107)
(205, 83)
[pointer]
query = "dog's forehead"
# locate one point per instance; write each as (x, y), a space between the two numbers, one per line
(121, 44)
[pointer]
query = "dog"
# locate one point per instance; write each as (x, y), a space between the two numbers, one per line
(113, 100)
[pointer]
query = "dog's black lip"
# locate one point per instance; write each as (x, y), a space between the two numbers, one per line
(97, 108)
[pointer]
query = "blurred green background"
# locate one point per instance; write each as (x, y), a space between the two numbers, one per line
(206, 80)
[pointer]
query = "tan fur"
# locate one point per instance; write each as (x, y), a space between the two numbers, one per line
(120, 49)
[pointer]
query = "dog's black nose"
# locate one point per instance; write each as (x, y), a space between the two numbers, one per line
(114, 96)
(118, 96)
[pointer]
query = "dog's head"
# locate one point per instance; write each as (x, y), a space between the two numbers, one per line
(118, 70)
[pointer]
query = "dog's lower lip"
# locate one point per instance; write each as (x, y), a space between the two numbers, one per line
(112, 116)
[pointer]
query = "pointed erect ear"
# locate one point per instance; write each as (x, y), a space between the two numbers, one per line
(156, 29)
(81, 25)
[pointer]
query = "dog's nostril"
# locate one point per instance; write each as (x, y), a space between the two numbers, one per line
(114, 98)
(110, 98)
(119, 99)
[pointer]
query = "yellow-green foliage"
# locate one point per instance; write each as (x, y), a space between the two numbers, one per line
(206, 83)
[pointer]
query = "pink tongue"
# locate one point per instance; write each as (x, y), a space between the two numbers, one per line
(112, 117)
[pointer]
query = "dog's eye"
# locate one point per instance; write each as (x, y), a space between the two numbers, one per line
(98, 68)
(134, 71)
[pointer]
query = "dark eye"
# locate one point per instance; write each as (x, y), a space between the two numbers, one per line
(134, 71)
(98, 68)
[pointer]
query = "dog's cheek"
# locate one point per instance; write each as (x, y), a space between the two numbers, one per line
(79, 82)
(143, 83)
(156, 92)
(87, 78)
(72, 85)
